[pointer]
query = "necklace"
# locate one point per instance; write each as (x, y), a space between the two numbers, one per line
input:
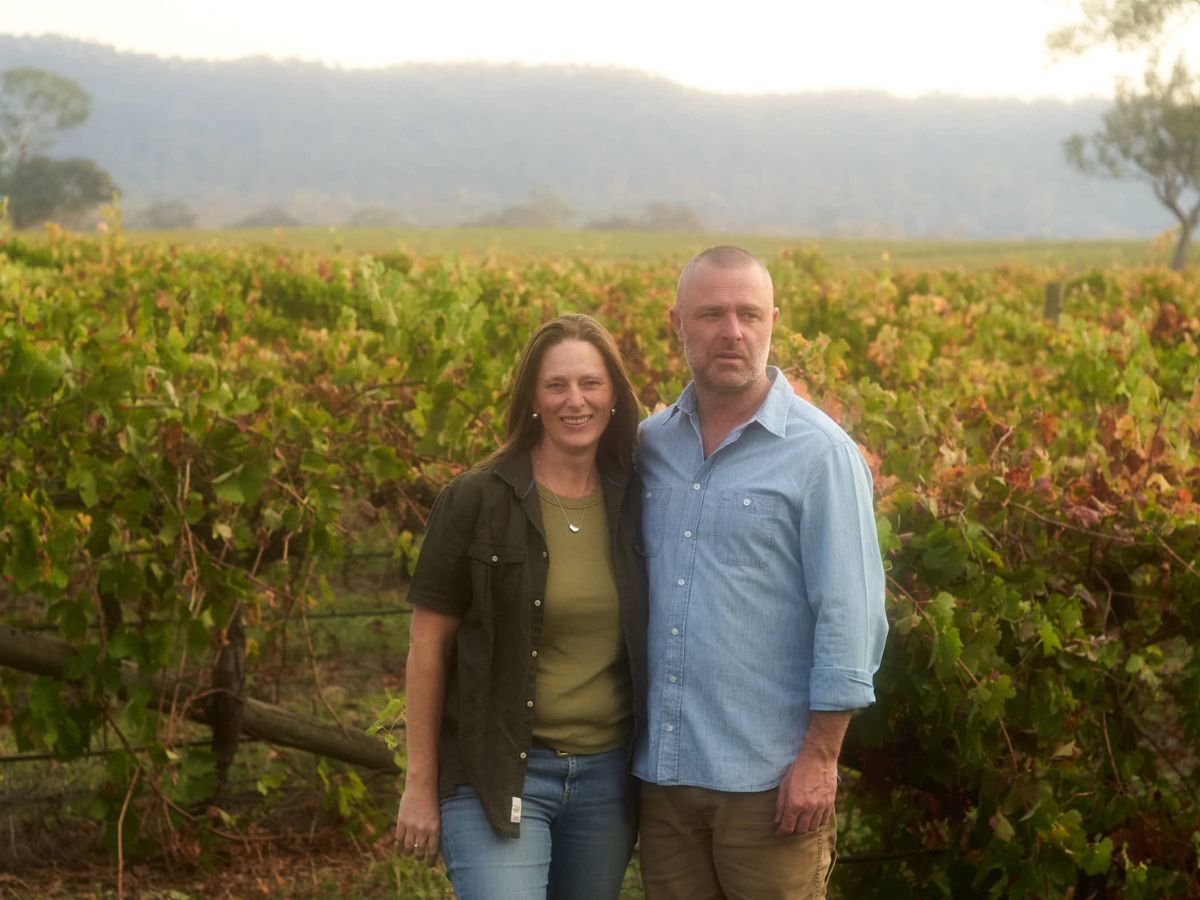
(571, 526)
(575, 529)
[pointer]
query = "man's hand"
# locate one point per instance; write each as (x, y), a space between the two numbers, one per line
(806, 794)
(808, 789)
(418, 825)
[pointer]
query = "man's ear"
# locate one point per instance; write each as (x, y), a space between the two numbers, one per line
(673, 316)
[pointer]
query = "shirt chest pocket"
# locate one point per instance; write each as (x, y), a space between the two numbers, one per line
(655, 501)
(497, 576)
(747, 528)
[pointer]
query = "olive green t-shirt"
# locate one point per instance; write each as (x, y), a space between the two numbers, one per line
(584, 696)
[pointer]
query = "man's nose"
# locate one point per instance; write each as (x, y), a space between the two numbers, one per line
(731, 327)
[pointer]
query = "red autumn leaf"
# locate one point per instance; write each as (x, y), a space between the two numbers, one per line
(1048, 427)
(832, 407)
(1019, 477)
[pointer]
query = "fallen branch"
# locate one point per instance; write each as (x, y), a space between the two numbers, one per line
(41, 655)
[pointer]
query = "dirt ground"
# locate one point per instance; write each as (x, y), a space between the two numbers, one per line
(324, 863)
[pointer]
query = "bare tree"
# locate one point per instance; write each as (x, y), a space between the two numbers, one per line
(33, 104)
(1152, 137)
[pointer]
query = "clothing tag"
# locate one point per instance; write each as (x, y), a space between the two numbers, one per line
(515, 816)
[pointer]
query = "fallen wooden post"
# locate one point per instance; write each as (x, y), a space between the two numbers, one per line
(41, 655)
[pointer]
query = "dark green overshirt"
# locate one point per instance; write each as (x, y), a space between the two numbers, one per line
(485, 560)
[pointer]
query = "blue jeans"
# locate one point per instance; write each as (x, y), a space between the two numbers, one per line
(578, 823)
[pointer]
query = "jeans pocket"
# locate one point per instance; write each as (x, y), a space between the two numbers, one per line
(746, 528)
(655, 503)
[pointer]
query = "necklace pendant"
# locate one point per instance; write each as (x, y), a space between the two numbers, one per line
(574, 528)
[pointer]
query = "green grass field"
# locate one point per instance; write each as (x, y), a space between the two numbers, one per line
(663, 246)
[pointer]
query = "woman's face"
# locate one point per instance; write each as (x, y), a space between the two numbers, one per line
(573, 397)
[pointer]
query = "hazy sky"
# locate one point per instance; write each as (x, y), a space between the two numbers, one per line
(908, 47)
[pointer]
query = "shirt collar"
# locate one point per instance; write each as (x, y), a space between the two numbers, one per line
(517, 471)
(771, 414)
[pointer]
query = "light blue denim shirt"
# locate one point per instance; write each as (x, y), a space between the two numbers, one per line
(766, 590)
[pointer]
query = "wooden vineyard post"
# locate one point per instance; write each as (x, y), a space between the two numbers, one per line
(227, 701)
(1053, 304)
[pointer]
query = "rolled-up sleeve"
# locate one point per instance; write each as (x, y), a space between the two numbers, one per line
(843, 579)
(442, 580)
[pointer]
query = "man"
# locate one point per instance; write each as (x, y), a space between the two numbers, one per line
(766, 607)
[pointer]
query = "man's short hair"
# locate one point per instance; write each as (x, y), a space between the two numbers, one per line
(722, 256)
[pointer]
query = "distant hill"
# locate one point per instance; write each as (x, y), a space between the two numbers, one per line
(445, 144)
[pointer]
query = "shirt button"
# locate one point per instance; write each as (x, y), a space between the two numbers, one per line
(746, 502)
(670, 728)
(529, 703)
(696, 486)
(687, 533)
(495, 559)
(672, 679)
(674, 631)
(680, 582)
(649, 494)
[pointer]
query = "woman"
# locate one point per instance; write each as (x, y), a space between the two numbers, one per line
(526, 658)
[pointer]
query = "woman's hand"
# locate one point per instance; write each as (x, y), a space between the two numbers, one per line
(418, 824)
(430, 648)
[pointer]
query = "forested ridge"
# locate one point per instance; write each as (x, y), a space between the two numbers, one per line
(450, 144)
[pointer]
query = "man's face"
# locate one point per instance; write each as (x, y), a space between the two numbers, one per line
(724, 319)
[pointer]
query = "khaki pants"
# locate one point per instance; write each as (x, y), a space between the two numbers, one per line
(698, 844)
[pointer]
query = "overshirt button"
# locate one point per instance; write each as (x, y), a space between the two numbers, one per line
(687, 533)
(746, 502)
(696, 486)
(680, 582)
(674, 631)
(495, 559)
(524, 754)
(534, 653)
(537, 602)
(670, 728)
(529, 703)
(544, 554)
